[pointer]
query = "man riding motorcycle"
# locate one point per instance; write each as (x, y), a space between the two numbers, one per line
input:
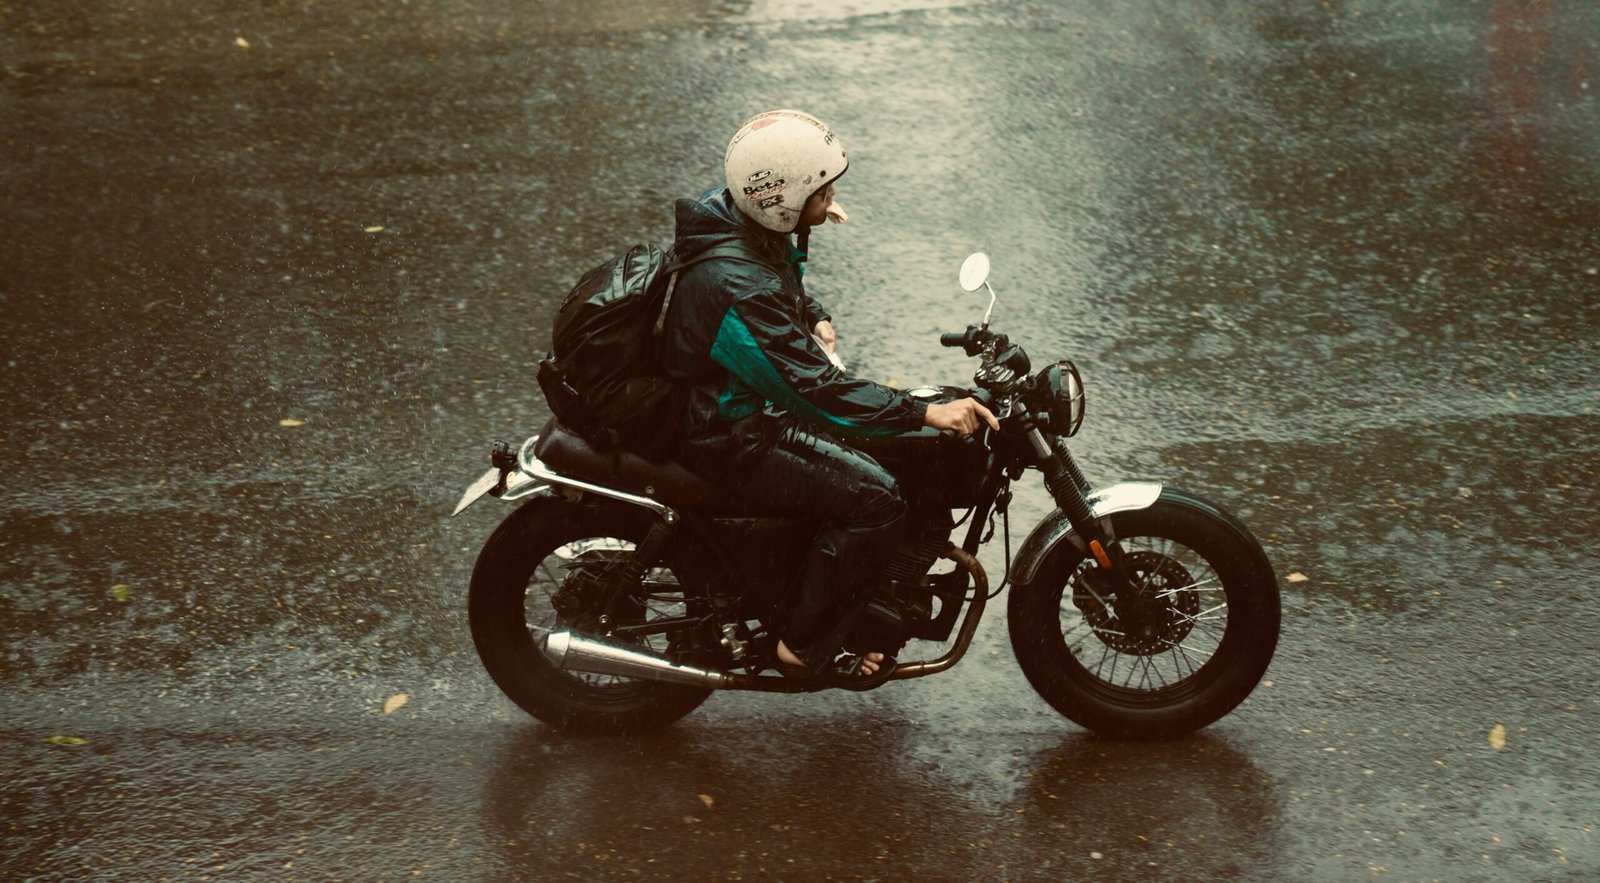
(754, 351)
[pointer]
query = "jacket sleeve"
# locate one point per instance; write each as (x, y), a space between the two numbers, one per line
(758, 343)
(815, 312)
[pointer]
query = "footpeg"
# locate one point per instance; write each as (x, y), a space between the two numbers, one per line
(730, 641)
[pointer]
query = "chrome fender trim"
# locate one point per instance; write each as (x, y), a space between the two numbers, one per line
(531, 466)
(520, 484)
(507, 484)
(1054, 529)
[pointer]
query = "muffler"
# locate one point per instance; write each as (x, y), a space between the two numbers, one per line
(574, 651)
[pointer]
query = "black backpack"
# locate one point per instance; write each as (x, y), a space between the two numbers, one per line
(602, 380)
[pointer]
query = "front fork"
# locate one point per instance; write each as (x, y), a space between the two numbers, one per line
(1070, 489)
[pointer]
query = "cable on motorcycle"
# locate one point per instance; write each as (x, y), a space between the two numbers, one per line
(1005, 579)
(1002, 507)
(964, 517)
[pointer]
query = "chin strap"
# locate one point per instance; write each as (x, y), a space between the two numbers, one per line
(799, 251)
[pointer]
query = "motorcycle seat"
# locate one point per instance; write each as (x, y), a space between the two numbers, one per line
(568, 453)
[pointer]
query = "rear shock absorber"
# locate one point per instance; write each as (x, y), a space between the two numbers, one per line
(631, 573)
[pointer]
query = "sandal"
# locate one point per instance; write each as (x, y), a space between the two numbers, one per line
(841, 673)
(800, 674)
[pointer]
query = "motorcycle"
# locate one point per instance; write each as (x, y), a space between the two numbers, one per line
(622, 592)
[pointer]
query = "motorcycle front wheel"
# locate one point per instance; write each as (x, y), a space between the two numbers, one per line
(545, 568)
(1177, 645)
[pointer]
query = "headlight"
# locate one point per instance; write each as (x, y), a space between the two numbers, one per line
(1065, 388)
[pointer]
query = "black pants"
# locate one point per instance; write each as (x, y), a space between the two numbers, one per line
(862, 521)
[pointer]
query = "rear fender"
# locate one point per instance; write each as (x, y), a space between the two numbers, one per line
(1055, 529)
(505, 481)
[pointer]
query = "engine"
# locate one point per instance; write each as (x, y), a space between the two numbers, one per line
(909, 603)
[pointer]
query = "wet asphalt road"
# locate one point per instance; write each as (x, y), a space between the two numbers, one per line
(274, 275)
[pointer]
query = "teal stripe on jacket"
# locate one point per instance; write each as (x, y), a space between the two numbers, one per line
(754, 381)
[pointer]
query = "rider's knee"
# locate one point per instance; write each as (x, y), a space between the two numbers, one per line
(880, 506)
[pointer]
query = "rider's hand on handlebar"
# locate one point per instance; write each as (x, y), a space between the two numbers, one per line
(825, 334)
(961, 416)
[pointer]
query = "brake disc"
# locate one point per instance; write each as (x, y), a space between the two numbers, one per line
(1157, 615)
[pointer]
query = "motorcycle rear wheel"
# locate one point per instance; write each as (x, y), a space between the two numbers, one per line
(1198, 645)
(546, 546)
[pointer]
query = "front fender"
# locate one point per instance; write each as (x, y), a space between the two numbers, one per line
(1055, 529)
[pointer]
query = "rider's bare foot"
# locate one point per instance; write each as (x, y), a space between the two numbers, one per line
(869, 662)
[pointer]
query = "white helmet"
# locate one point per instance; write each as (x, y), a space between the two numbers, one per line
(776, 161)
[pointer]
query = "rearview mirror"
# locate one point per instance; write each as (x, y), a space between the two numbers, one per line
(974, 271)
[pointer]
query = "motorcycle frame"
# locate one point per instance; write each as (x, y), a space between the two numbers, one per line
(529, 477)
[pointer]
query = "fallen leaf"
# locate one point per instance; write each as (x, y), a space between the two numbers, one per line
(373, 230)
(121, 592)
(707, 800)
(1497, 737)
(67, 740)
(241, 42)
(290, 421)
(1297, 577)
(395, 702)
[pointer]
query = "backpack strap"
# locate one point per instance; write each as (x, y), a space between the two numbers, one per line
(732, 250)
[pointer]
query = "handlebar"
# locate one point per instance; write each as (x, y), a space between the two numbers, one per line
(974, 339)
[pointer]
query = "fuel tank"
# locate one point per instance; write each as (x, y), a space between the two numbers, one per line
(934, 470)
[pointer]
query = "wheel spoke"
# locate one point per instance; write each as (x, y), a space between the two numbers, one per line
(1202, 615)
(1144, 672)
(1073, 646)
(1204, 630)
(582, 560)
(1184, 649)
(1176, 635)
(1196, 586)
(1178, 662)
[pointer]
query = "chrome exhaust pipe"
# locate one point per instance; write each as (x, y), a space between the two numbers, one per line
(574, 651)
(969, 622)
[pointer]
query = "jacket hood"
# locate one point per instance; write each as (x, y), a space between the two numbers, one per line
(713, 219)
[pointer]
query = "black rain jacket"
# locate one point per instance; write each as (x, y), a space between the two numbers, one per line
(738, 336)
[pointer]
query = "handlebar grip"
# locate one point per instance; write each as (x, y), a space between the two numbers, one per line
(953, 338)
